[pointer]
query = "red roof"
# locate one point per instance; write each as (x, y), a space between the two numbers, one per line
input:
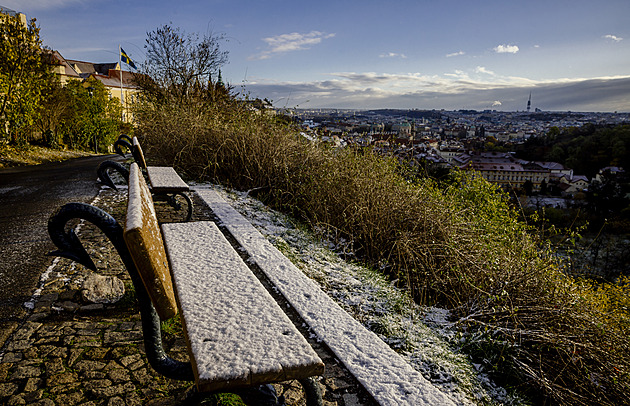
(112, 79)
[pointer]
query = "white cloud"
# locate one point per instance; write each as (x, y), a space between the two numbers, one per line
(459, 53)
(613, 38)
(458, 74)
(481, 69)
(393, 55)
(291, 42)
(496, 103)
(503, 49)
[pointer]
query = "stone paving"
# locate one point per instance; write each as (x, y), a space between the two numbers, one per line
(72, 351)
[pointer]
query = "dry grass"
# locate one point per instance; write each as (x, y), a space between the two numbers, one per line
(461, 246)
(10, 157)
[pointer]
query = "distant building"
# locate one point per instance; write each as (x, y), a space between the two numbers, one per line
(613, 171)
(109, 74)
(449, 151)
(510, 175)
(509, 172)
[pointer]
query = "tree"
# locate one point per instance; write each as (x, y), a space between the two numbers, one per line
(179, 65)
(95, 119)
(543, 187)
(607, 196)
(54, 112)
(528, 187)
(23, 73)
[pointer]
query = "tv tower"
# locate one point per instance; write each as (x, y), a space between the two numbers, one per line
(529, 102)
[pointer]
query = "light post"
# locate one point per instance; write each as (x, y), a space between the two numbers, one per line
(91, 91)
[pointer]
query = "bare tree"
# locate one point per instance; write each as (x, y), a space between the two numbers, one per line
(178, 64)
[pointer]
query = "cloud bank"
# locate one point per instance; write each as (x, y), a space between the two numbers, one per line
(457, 91)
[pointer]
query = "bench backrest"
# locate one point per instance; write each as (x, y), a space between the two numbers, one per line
(138, 155)
(144, 240)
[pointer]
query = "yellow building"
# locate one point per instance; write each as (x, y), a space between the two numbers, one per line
(109, 74)
(510, 175)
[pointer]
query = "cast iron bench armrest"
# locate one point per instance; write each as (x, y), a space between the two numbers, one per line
(165, 182)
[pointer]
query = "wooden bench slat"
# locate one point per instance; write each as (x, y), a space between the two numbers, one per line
(137, 153)
(144, 241)
(381, 371)
(237, 334)
(164, 179)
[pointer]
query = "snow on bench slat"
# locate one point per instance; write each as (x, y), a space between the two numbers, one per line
(237, 334)
(383, 373)
(137, 153)
(165, 179)
(142, 237)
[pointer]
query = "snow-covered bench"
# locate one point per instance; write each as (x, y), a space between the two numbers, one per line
(164, 180)
(381, 371)
(239, 339)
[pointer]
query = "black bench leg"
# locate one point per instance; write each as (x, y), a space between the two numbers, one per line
(313, 391)
(262, 395)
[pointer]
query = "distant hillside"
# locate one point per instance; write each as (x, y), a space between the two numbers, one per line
(586, 149)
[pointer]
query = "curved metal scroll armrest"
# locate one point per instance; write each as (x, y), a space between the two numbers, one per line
(121, 143)
(103, 172)
(71, 247)
(172, 201)
(125, 137)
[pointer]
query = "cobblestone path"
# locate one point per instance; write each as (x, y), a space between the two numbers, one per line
(72, 352)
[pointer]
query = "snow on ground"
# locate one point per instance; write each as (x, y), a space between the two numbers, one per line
(422, 335)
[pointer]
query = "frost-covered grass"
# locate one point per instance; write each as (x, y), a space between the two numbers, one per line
(422, 335)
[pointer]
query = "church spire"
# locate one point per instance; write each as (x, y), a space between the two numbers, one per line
(220, 80)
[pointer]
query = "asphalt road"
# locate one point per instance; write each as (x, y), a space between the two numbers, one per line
(28, 196)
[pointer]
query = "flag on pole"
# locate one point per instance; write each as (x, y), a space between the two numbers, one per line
(126, 59)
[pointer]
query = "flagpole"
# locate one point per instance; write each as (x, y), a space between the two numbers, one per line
(122, 99)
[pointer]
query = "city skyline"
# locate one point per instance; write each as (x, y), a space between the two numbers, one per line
(570, 55)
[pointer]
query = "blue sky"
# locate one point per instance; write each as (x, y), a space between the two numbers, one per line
(426, 54)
